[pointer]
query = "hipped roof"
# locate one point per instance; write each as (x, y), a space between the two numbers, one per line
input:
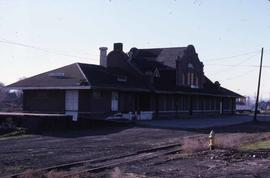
(89, 76)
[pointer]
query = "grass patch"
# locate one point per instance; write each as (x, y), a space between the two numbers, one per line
(30, 173)
(15, 168)
(260, 145)
(16, 132)
(15, 137)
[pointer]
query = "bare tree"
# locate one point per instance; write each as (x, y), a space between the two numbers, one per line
(2, 94)
(1, 85)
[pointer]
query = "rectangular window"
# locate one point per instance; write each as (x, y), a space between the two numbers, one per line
(191, 79)
(183, 79)
(188, 79)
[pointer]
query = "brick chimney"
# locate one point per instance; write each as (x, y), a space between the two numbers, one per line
(103, 56)
(118, 46)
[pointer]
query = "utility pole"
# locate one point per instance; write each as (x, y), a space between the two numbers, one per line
(258, 90)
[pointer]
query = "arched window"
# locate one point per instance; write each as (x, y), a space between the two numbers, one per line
(188, 78)
(191, 78)
(197, 81)
(190, 65)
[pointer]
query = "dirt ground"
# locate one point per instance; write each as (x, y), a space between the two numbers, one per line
(193, 159)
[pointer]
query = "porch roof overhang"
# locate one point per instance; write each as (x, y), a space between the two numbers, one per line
(195, 93)
(122, 89)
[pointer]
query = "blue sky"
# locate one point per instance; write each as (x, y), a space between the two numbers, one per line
(38, 35)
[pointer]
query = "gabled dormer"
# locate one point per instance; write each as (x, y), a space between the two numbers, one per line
(189, 69)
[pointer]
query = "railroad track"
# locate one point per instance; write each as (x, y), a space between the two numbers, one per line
(101, 164)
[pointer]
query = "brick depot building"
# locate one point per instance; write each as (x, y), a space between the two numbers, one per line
(153, 83)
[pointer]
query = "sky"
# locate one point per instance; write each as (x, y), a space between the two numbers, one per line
(37, 36)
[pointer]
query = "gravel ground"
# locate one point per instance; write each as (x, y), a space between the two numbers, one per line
(218, 163)
(48, 149)
(37, 151)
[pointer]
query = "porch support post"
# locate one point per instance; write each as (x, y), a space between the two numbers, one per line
(156, 106)
(176, 103)
(232, 105)
(221, 106)
(191, 105)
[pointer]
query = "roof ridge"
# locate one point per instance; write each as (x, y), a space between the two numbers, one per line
(161, 48)
(87, 64)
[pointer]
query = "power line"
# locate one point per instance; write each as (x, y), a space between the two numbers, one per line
(231, 57)
(43, 50)
(228, 65)
(235, 65)
(245, 60)
(239, 76)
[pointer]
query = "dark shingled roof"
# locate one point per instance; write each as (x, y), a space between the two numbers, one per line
(67, 76)
(82, 76)
(167, 83)
(86, 76)
(101, 77)
(161, 58)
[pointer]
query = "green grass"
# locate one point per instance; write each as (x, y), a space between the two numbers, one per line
(15, 168)
(17, 133)
(256, 146)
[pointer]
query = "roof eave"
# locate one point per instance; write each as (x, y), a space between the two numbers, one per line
(193, 93)
(50, 88)
(121, 89)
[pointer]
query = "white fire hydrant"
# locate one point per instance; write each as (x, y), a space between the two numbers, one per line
(212, 140)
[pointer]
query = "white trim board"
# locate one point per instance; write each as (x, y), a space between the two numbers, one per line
(82, 73)
(49, 88)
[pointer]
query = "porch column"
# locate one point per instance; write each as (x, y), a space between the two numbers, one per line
(221, 106)
(176, 104)
(232, 105)
(156, 106)
(191, 105)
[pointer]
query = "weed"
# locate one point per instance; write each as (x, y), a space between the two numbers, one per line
(117, 173)
(51, 174)
(256, 146)
(194, 144)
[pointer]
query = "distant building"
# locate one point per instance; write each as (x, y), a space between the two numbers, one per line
(243, 104)
(153, 83)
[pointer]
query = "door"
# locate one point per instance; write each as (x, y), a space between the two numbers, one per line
(71, 104)
(144, 101)
(115, 99)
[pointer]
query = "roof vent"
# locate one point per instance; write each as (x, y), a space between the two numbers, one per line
(121, 78)
(56, 74)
